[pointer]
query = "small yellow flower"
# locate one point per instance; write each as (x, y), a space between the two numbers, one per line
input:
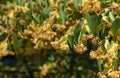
(80, 48)
(114, 74)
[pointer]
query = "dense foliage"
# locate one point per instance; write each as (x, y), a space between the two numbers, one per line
(60, 38)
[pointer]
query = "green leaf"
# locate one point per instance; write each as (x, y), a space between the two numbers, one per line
(62, 14)
(76, 3)
(45, 13)
(77, 32)
(51, 58)
(38, 2)
(115, 62)
(118, 55)
(71, 41)
(115, 25)
(3, 36)
(4, 1)
(93, 21)
(10, 20)
(36, 18)
(31, 6)
(100, 62)
(118, 12)
(15, 43)
(103, 33)
(104, 4)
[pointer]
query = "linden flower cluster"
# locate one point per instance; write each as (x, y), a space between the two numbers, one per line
(86, 37)
(11, 12)
(43, 31)
(107, 55)
(114, 74)
(111, 51)
(98, 54)
(111, 74)
(46, 68)
(60, 28)
(32, 26)
(80, 48)
(95, 41)
(86, 6)
(100, 75)
(89, 5)
(62, 42)
(49, 35)
(111, 48)
(62, 46)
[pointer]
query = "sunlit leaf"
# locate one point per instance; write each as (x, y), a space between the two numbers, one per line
(115, 25)
(100, 63)
(93, 21)
(71, 41)
(115, 62)
(77, 31)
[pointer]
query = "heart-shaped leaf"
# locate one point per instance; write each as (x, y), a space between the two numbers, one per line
(93, 21)
(115, 25)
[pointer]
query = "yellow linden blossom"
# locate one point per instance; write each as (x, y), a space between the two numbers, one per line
(114, 74)
(80, 48)
(111, 48)
(44, 69)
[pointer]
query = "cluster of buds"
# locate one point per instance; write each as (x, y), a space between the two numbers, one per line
(60, 27)
(53, 5)
(64, 47)
(111, 51)
(114, 74)
(115, 7)
(55, 14)
(61, 43)
(80, 48)
(61, 46)
(27, 32)
(107, 56)
(11, 14)
(86, 37)
(95, 41)
(49, 35)
(97, 54)
(87, 5)
(111, 74)
(100, 75)
(96, 6)
(24, 9)
(55, 44)
(45, 69)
